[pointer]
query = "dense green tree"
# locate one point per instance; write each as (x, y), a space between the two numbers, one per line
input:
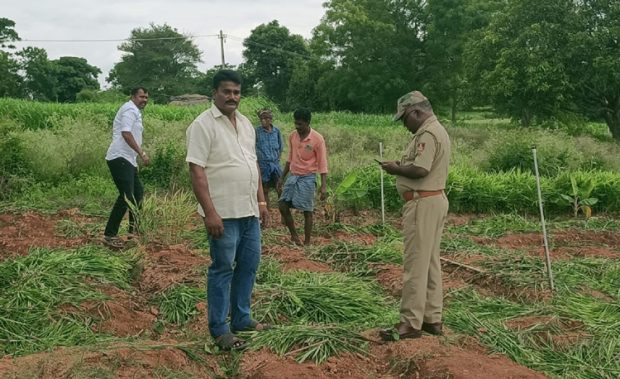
(10, 81)
(596, 67)
(55, 80)
(375, 50)
(305, 84)
(449, 25)
(74, 74)
(160, 59)
(39, 73)
(7, 33)
(251, 85)
(521, 60)
(270, 53)
(446, 31)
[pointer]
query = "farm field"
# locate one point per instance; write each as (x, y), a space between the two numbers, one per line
(80, 310)
(70, 307)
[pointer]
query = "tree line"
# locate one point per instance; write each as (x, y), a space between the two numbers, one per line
(534, 61)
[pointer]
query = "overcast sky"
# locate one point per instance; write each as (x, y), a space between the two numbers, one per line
(114, 19)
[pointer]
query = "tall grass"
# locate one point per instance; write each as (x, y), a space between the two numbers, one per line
(56, 143)
(91, 194)
(163, 217)
(316, 315)
(36, 115)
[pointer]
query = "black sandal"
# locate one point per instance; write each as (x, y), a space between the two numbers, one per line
(229, 342)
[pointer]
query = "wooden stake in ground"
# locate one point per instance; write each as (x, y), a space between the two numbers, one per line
(542, 221)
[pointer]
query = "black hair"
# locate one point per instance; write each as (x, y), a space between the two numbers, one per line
(303, 114)
(226, 76)
(135, 90)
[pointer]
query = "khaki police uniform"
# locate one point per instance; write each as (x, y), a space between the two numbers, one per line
(424, 215)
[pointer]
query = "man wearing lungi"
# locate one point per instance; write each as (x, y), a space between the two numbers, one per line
(307, 156)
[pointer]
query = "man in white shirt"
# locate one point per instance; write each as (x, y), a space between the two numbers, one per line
(221, 152)
(122, 160)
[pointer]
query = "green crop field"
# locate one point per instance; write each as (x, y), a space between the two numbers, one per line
(70, 307)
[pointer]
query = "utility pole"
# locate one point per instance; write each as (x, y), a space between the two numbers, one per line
(221, 37)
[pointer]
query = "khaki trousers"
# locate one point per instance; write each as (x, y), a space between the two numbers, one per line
(422, 296)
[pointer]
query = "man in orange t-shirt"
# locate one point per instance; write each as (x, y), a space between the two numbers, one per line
(307, 156)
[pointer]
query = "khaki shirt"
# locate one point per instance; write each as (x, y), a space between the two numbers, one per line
(429, 149)
(228, 157)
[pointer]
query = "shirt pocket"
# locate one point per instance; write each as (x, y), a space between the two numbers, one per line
(306, 151)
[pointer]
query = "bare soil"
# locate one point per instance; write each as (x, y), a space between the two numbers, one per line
(294, 258)
(143, 360)
(563, 334)
(426, 357)
(20, 232)
(564, 244)
(165, 266)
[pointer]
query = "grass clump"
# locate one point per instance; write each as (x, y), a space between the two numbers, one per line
(178, 304)
(310, 342)
(163, 217)
(358, 259)
(322, 298)
(595, 273)
(93, 195)
(574, 335)
(33, 288)
(498, 226)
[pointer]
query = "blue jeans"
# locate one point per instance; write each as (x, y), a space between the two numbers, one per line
(234, 261)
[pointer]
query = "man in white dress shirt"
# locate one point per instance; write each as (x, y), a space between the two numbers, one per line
(122, 160)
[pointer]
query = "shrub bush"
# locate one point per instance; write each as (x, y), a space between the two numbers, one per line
(57, 154)
(13, 162)
(473, 191)
(167, 165)
(511, 150)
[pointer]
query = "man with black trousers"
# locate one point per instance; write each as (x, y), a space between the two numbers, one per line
(122, 160)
